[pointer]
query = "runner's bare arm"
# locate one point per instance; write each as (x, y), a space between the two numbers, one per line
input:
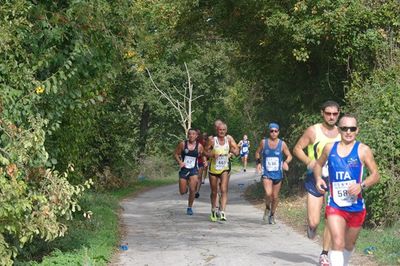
(233, 147)
(257, 155)
(288, 155)
(367, 158)
(209, 147)
(240, 143)
(320, 184)
(306, 139)
(178, 152)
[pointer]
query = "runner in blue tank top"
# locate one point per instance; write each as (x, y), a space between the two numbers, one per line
(244, 146)
(345, 211)
(186, 155)
(272, 149)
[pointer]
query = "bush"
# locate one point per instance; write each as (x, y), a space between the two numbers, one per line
(34, 200)
(376, 103)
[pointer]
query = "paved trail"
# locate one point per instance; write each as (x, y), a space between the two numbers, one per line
(159, 232)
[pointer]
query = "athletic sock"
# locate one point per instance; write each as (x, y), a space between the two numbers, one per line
(336, 258)
(346, 256)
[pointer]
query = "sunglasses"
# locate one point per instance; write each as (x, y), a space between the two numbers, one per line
(330, 113)
(273, 131)
(345, 129)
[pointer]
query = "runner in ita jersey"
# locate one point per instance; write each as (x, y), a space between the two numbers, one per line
(314, 139)
(186, 155)
(345, 210)
(218, 150)
(244, 145)
(272, 150)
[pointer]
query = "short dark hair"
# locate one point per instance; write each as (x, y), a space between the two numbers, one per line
(330, 104)
(348, 115)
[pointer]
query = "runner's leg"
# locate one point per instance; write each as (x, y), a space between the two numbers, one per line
(337, 228)
(224, 189)
(193, 180)
(245, 162)
(183, 186)
(200, 177)
(267, 184)
(214, 190)
(314, 206)
(275, 196)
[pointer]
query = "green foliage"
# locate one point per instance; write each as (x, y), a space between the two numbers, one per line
(34, 201)
(88, 241)
(376, 102)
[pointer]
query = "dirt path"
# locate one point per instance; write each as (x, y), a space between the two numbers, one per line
(158, 232)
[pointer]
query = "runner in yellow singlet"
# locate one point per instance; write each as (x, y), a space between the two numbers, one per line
(314, 139)
(218, 149)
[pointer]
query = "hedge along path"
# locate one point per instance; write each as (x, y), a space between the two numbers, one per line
(158, 231)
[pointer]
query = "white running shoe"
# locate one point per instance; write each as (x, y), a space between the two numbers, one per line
(323, 260)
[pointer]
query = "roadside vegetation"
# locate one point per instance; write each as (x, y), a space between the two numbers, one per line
(90, 240)
(79, 112)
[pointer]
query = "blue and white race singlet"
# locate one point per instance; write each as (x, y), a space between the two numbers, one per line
(344, 171)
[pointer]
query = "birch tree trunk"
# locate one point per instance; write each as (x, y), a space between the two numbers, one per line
(181, 101)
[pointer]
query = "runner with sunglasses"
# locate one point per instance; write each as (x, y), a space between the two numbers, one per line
(314, 139)
(271, 150)
(345, 210)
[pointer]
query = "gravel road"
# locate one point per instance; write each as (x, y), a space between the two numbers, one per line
(157, 231)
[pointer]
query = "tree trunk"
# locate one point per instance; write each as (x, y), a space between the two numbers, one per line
(144, 128)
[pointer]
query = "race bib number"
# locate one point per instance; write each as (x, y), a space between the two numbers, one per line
(221, 162)
(272, 164)
(190, 162)
(245, 149)
(341, 195)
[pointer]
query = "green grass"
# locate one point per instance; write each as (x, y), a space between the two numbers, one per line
(88, 241)
(292, 210)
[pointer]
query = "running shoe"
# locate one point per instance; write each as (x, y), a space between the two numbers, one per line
(323, 260)
(197, 195)
(189, 211)
(311, 233)
(222, 216)
(271, 219)
(213, 216)
(218, 213)
(267, 213)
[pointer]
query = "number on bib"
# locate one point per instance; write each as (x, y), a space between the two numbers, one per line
(190, 162)
(272, 164)
(221, 162)
(341, 195)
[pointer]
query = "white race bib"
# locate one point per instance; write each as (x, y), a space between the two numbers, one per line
(341, 194)
(272, 164)
(190, 162)
(245, 149)
(221, 162)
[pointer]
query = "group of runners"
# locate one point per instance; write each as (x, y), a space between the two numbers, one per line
(335, 163)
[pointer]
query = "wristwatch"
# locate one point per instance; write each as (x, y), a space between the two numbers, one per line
(363, 186)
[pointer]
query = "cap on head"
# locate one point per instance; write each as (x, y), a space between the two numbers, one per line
(273, 125)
